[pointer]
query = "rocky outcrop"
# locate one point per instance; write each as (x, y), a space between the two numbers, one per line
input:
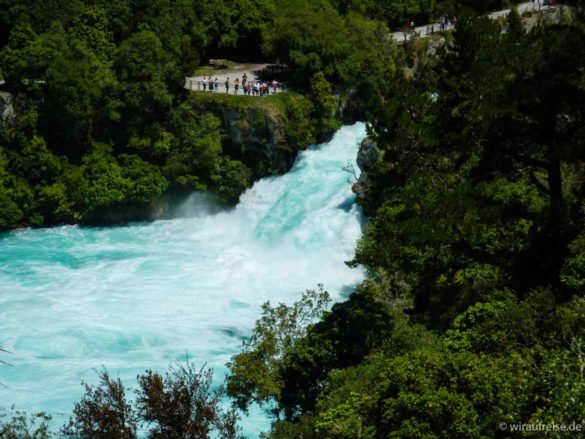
(6, 106)
(258, 138)
(264, 133)
(350, 108)
(368, 154)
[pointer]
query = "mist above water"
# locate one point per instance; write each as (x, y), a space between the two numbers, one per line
(140, 297)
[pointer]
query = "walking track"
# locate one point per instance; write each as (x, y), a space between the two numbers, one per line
(429, 29)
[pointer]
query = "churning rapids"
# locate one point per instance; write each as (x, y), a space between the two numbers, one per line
(74, 299)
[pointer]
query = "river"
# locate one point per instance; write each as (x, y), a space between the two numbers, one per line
(74, 299)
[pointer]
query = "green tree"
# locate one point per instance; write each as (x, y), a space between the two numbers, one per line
(180, 404)
(515, 25)
(250, 19)
(147, 182)
(194, 158)
(10, 212)
(235, 177)
(254, 373)
(92, 27)
(398, 12)
(148, 76)
(308, 37)
(324, 104)
(23, 426)
(103, 412)
(290, 355)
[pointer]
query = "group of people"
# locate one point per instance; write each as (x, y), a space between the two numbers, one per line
(249, 88)
(257, 88)
(445, 22)
(209, 83)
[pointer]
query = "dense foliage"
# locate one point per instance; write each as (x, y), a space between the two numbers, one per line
(101, 123)
(100, 118)
(472, 316)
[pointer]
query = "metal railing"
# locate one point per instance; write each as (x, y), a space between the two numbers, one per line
(220, 87)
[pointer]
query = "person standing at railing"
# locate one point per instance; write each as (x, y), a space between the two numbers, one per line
(227, 85)
(236, 86)
(216, 85)
(244, 80)
(204, 84)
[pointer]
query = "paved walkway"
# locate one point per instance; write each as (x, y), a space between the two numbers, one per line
(429, 29)
(254, 72)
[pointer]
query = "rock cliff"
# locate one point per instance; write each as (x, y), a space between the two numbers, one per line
(264, 133)
(368, 154)
(6, 106)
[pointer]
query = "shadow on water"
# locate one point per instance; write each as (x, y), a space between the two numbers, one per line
(233, 332)
(347, 204)
(168, 207)
(347, 291)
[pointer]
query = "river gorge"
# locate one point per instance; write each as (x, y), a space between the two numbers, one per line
(145, 295)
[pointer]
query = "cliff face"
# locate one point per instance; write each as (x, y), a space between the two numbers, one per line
(258, 138)
(350, 108)
(264, 133)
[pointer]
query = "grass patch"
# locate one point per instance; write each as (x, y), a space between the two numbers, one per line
(210, 70)
(274, 104)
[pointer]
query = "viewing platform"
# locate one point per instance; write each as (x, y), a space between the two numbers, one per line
(223, 71)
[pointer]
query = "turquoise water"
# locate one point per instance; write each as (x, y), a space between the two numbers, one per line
(139, 297)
